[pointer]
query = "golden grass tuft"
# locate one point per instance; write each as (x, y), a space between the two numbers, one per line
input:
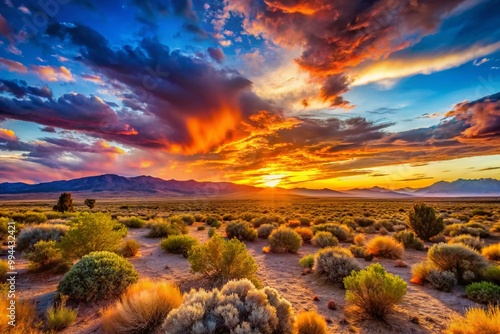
(310, 323)
(476, 321)
(26, 319)
(305, 232)
(142, 308)
(420, 271)
(492, 252)
(385, 247)
(359, 239)
(60, 317)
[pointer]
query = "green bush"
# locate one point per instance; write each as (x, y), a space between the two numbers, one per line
(221, 260)
(284, 240)
(47, 255)
(324, 239)
(374, 290)
(454, 230)
(458, 259)
(213, 222)
(340, 231)
(364, 222)
(241, 230)
(492, 274)
(483, 292)
(335, 263)
(29, 236)
(98, 275)
(442, 280)
(423, 221)
(162, 228)
(188, 219)
(60, 317)
(133, 222)
(468, 240)
(92, 232)
(358, 251)
(129, 248)
(29, 218)
(178, 244)
(265, 230)
(307, 261)
(409, 240)
(238, 307)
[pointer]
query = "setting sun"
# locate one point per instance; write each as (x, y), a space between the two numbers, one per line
(272, 180)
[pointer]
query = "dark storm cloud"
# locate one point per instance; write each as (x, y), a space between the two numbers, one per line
(19, 88)
(216, 54)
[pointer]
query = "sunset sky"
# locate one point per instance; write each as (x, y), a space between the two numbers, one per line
(313, 93)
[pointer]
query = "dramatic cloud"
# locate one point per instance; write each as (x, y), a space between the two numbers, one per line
(216, 54)
(13, 66)
(338, 36)
(20, 88)
(4, 26)
(50, 73)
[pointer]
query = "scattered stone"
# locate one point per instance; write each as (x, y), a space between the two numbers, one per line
(332, 305)
(400, 264)
(414, 320)
(315, 298)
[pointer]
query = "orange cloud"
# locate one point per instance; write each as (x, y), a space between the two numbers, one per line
(7, 134)
(52, 74)
(13, 66)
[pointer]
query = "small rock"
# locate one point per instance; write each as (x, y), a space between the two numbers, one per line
(332, 305)
(414, 320)
(315, 298)
(400, 264)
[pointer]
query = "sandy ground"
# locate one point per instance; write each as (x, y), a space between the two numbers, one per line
(424, 309)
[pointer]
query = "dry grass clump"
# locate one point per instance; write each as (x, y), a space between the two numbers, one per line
(129, 248)
(305, 233)
(141, 308)
(60, 317)
(324, 239)
(476, 321)
(385, 247)
(310, 323)
(468, 240)
(335, 263)
(359, 239)
(284, 240)
(492, 252)
(26, 320)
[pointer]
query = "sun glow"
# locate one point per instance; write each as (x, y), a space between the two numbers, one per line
(272, 180)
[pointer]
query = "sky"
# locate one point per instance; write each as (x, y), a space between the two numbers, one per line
(314, 93)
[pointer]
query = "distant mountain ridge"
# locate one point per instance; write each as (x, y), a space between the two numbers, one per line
(152, 186)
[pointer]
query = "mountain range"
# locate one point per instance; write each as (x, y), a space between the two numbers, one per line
(110, 185)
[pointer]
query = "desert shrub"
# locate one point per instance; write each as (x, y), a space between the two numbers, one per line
(26, 318)
(46, 255)
(198, 218)
(307, 261)
(91, 232)
(438, 238)
(29, 236)
(141, 308)
(305, 221)
(211, 232)
(60, 317)
(178, 244)
(310, 323)
(492, 252)
(481, 212)
(468, 240)
(238, 307)
(335, 263)
(477, 320)
(409, 240)
(340, 231)
(96, 276)
(294, 223)
(358, 251)
(129, 248)
(319, 220)
(188, 219)
(162, 228)
(374, 290)
(385, 247)
(383, 231)
(458, 259)
(483, 292)
(241, 230)
(492, 274)
(4, 227)
(201, 228)
(133, 222)
(423, 221)
(470, 229)
(65, 203)
(29, 217)
(420, 271)
(213, 222)
(305, 233)
(284, 240)
(221, 260)
(264, 231)
(363, 221)
(442, 280)
(90, 203)
(359, 239)
(324, 239)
